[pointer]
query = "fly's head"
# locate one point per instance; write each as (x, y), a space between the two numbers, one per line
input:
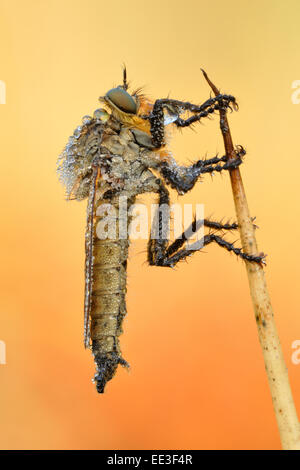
(118, 99)
(131, 109)
(123, 105)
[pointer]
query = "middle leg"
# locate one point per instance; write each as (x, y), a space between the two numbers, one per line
(183, 178)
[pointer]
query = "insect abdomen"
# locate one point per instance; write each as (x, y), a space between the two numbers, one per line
(108, 307)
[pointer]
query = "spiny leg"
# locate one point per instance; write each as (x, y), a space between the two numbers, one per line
(175, 107)
(170, 260)
(210, 238)
(183, 178)
(194, 227)
(170, 255)
(220, 226)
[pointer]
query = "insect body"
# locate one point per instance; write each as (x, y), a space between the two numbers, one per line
(110, 158)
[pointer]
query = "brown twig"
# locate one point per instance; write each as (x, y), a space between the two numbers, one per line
(282, 398)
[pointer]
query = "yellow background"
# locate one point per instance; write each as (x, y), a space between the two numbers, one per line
(197, 379)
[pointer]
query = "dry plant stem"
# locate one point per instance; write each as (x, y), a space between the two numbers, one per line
(276, 369)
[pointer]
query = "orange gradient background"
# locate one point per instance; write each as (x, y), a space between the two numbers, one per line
(197, 378)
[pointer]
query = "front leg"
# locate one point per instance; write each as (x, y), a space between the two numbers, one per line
(176, 107)
(183, 178)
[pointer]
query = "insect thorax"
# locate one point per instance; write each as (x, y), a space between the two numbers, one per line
(123, 153)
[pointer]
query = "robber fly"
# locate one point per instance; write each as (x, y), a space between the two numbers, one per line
(113, 154)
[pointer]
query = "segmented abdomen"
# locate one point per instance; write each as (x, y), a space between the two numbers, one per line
(108, 307)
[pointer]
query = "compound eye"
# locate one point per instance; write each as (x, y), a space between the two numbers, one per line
(122, 100)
